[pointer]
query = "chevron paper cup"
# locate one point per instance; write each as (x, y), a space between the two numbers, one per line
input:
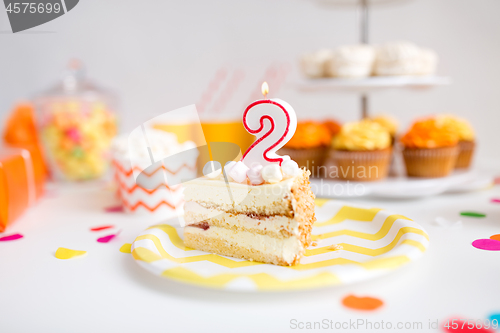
(160, 200)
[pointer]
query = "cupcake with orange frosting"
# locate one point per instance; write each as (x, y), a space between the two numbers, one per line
(309, 144)
(361, 152)
(466, 138)
(430, 149)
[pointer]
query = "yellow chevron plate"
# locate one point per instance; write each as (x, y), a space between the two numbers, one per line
(374, 242)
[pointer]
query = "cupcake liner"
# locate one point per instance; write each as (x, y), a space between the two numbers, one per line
(430, 162)
(310, 158)
(466, 151)
(358, 165)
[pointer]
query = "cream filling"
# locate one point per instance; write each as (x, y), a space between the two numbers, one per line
(267, 198)
(195, 213)
(287, 249)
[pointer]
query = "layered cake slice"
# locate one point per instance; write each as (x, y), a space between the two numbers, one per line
(260, 208)
(270, 222)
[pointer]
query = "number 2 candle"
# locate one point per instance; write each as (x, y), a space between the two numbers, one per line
(273, 122)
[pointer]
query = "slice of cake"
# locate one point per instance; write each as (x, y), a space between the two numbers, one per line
(269, 222)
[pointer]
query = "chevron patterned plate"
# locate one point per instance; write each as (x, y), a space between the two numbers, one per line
(374, 242)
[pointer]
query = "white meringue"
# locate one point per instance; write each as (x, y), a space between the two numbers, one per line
(229, 165)
(272, 173)
(239, 172)
(255, 175)
(290, 168)
(212, 169)
(351, 61)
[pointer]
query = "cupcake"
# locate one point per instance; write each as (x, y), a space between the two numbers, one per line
(428, 62)
(313, 65)
(430, 149)
(308, 145)
(361, 152)
(389, 123)
(404, 58)
(353, 61)
(466, 138)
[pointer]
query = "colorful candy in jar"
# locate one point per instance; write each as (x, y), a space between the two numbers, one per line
(77, 125)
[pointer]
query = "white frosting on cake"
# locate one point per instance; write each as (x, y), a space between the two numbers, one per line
(226, 195)
(314, 64)
(404, 58)
(351, 61)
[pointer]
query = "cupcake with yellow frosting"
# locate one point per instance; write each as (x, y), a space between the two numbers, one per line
(430, 149)
(466, 138)
(389, 123)
(361, 152)
(309, 144)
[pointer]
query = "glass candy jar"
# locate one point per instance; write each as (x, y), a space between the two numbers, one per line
(76, 122)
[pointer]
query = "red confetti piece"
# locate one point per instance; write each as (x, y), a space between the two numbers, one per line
(496, 181)
(463, 325)
(495, 200)
(104, 227)
(11, 237)
(362, 303)
(114, 209)
(106, 239)
(487, 244)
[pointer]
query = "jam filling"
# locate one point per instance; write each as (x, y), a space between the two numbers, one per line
(201, 225)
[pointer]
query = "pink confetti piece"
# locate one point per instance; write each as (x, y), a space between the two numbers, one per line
(496, 181)
(487, 244)
(11, 237)
(114, 209)
(495, 200)
(108, 238)
(104, 227)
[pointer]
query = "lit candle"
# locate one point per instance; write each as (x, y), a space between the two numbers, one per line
(273, 122)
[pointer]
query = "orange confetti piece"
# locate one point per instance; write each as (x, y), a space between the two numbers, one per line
(495, 237)
(126, 248)
(63, 253)
(362, 303)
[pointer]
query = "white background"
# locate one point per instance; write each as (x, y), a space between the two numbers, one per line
(160, 55)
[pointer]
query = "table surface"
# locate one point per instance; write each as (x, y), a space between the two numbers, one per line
(106, 291)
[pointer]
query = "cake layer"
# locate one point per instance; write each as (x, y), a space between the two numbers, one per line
(276, 226)
(232, 197)
(244, 245)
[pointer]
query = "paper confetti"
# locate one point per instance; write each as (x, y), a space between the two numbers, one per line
(495, 316)
(114, 209)
(104, 227)
(362, 303)
(126, 248)
(495, 200)
(487, 244)
(10, 237)
(106, 239)
(64, 253)
(495, 237)
(472, 214)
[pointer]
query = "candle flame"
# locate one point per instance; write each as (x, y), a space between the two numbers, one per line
(265, 89)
